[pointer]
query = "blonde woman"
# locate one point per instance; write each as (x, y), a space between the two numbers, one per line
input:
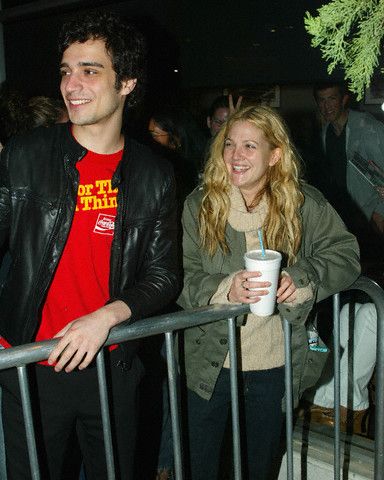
(251, 180)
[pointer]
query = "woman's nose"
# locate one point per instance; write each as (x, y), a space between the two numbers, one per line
(237, 153)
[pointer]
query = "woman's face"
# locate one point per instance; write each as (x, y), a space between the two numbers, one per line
(248, 156)
(158, 134)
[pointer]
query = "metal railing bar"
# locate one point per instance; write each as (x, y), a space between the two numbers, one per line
(174, 405)
(28, 422)
(19, 356)
(336, 404)
(35, 352)
(379, 411)
(105, 417)
(234, 399)
(375, 292)
(288, 398)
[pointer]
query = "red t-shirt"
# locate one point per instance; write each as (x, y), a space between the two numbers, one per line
(80, 283)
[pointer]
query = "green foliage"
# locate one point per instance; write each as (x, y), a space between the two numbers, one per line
(349, 34)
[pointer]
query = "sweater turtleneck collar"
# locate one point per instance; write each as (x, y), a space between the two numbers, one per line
(239, 218)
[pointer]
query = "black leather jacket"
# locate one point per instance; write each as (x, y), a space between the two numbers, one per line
(38, 191)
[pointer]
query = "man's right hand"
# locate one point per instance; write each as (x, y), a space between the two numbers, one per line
(81, 339)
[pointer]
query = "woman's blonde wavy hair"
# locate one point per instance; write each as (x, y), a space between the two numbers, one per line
(282, 229)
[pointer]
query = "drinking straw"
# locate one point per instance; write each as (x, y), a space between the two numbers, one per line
(260, 234)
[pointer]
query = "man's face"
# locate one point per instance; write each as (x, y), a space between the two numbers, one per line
(331, 103)
(217, 120)
(88, 84)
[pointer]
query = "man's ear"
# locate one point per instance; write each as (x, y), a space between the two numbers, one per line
(128, 85)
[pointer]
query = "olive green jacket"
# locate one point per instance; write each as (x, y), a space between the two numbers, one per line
(328, 259)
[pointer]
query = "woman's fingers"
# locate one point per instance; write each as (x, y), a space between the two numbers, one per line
(246, 288)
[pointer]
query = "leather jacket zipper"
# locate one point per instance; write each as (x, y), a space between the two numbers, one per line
(116, 256)
(39, 293)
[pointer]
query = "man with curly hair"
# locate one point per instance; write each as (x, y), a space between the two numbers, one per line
(89, 216)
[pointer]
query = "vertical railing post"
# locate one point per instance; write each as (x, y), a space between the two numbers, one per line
(234, 398)
(379, 397)
(336, 363)
(105, 415)
(174, 406)
(28, 422)
(370, 288)
(288, 398)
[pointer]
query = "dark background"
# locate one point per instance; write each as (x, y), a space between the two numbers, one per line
(213, 45)
(223, 43)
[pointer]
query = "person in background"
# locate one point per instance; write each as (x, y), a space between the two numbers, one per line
(14, 115)
(178, 138)
(347, 134)
(219, 111)
(175, 135)
(354, 395)
(252, 181)
(46, 111)
(218, 114)
(72, 202)
(17, 114)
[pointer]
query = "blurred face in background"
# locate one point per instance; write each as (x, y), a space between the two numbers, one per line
(158, 134)
(217, 120)
(331, 104)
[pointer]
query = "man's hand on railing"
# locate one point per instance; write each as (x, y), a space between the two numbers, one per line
(83, 338)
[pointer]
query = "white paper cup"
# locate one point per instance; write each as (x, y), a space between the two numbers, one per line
(269, 267)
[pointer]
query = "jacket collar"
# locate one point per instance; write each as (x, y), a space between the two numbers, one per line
(124, 165)
(75, 152)
(72, 150)
(242, 220)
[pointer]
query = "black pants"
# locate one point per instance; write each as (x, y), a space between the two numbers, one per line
(261, 418)
(67, 416)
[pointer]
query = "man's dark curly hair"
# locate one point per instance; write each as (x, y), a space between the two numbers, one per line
(123, 42)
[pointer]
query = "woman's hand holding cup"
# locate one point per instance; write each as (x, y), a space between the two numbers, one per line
(245, 289)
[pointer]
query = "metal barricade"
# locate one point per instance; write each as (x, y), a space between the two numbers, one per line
(376, 294)
(21, 356)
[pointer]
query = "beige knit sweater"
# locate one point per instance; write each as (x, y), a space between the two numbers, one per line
(261, 338)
